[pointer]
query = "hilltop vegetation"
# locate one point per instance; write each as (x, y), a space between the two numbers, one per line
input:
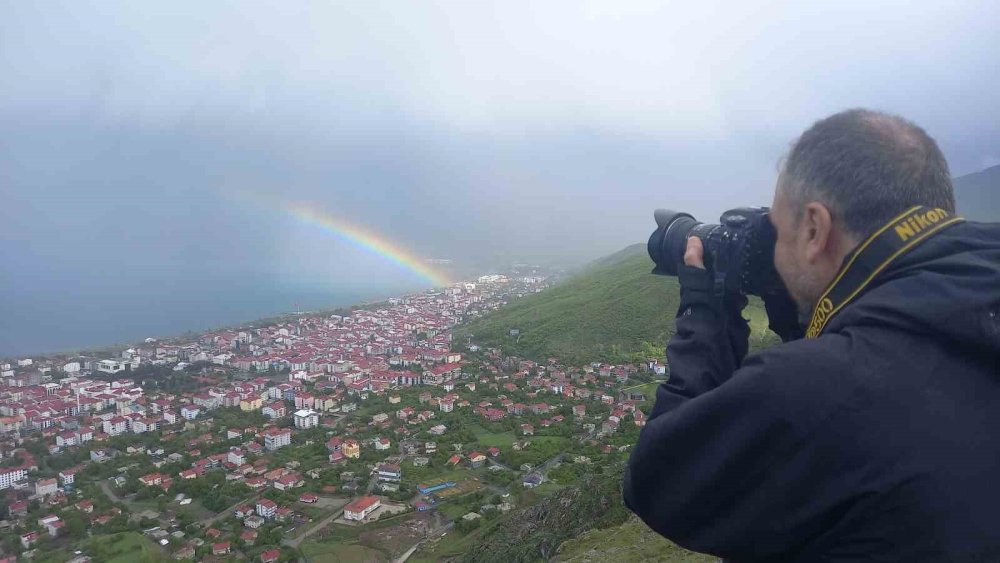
(534, 533)
(633, 541)
(583, 523)
(613, 310)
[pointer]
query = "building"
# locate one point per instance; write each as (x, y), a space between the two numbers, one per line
(45, 487)
(236, 457)
(531, 480)
(288, 481)
(110, 366)
(274, 410)
(190, 412)
(266, 508)
(477, 459)
(361, 508)
(68, 476)
(66, 439)
(220, 548)
(10, 476)
(389, 472)
(306, 419)
(115, 426)
(276, 438)
(352, 448)
(28, 539)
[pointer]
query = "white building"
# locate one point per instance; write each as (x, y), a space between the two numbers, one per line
(306, 419)
(276, 438)
(44, 487)
(68, 476)
(190, 412)
(66, 439)
(236, 457)
(361, 508)
(115, 426)
(267, 508)
(110, 366)
(8, 477)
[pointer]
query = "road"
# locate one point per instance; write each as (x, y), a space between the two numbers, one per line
(493, 462)
(109, 492)
(230, 510)
(548, 464)
(657, 381)
(319, 526)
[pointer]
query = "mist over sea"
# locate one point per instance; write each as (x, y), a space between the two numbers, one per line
(46, 317)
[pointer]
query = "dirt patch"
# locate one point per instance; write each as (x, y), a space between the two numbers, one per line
(462, 487)
(404, 535)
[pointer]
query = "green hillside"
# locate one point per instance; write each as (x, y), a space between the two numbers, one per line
(613, 310)
(582, 523)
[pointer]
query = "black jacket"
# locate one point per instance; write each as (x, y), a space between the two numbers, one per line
(877, 441)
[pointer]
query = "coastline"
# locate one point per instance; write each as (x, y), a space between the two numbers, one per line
(100, 349)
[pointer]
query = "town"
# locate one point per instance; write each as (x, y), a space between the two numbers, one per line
(367, 434)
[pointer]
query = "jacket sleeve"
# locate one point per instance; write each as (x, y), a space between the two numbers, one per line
(709, 345)
(724, 444)
(751, 469)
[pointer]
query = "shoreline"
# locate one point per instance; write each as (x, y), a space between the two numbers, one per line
(103, 349)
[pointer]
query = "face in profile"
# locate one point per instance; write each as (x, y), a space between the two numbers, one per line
(790, 256)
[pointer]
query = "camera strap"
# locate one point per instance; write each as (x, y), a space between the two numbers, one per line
(874, 255)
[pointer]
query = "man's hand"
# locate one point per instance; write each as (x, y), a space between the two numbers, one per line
(694, 255)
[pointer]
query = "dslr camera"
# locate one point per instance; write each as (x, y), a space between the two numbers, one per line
(739, 251)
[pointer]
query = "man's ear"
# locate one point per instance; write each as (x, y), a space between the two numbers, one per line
(818, 231)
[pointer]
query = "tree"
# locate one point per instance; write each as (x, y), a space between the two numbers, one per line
(75, 526)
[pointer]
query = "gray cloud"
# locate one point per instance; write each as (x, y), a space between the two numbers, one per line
(473, 130)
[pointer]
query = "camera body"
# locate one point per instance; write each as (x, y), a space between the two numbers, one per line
(739, 251)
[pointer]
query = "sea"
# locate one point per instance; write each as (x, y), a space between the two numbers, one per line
(38, 319)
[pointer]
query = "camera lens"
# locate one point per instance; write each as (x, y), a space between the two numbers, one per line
(667, 243)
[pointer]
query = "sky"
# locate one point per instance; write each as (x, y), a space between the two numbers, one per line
(138, 139)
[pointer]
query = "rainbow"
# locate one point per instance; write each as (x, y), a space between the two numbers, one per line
(366, 240)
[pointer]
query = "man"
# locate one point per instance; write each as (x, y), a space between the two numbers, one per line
(877, 436)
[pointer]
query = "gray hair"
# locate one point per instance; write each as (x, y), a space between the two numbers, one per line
(867, 167)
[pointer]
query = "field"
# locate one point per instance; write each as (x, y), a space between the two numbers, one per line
(126, 547)
(377, 541)
(451, 545)
(498, 439)
(462, 487)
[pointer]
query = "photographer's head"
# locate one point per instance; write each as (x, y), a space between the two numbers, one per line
(846, 177)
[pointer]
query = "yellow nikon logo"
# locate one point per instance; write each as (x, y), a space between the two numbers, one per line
(820, 316)
(912, 225)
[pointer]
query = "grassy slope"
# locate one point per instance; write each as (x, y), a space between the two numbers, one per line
(581, 523)
(632, 541)
(614, 310)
